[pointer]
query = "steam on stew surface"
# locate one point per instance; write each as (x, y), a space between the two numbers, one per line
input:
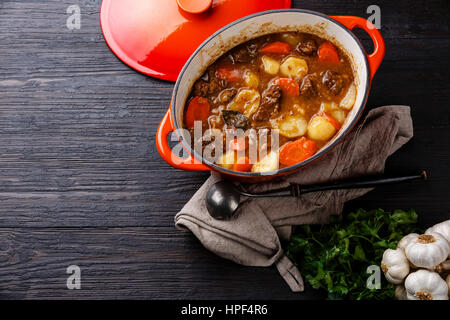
(298, 83)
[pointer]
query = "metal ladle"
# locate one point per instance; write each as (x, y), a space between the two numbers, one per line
(223, 198)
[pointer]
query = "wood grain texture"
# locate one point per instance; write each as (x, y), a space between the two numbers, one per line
(81, 181)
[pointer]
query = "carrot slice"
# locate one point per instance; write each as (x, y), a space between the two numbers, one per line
(229, 73)
(277, 47)
(198, 110)
(288, 86)
(238, 144)
(297, 151)
(243, 164)
(332, 120)
(327, 52)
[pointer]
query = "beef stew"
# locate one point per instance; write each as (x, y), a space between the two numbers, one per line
(294, 84)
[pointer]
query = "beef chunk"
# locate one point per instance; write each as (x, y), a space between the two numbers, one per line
(333, 81)
(308, 88)
(307, 47)
(270, 103)
(253, 50)
(209, 84)
(216, 85)
(201, 88)
(235, 119)
(241, 55)
(245, 54)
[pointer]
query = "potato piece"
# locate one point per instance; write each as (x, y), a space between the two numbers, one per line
(339, 115)
(328, 106)
(251, 79)
(349, 99)
(294, 67)
(292, 38)
(227, 160)
(246, 102)
(320, 128)
(271, 66)
(267, 164)
(332, 108)
(291, 127)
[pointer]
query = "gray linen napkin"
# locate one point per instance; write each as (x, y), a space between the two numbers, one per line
(252, 237)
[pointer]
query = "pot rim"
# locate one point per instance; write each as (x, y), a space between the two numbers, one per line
(304, 163)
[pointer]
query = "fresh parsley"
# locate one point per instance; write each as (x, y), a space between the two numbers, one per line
(335, 256)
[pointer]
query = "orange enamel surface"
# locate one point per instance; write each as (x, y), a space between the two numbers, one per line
(190, 163)
(157, 37)
(376, 57)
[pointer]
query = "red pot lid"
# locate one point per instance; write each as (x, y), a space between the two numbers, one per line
(156, 37)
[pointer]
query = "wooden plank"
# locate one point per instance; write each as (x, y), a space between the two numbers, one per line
(133, 192)
(81, 181)
(125, 263)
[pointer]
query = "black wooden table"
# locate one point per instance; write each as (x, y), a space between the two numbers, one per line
(81, 182)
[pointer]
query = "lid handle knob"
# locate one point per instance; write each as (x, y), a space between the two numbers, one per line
(194, 6)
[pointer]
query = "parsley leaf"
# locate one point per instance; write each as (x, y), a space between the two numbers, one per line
(334, 257)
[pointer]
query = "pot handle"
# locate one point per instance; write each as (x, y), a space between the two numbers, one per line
(377, 55)
(190, 163)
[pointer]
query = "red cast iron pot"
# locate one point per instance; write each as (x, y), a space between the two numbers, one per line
(337, 29)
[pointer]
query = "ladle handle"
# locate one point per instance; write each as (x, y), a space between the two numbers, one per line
(298, 190)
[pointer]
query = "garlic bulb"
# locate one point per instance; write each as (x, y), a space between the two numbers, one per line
(403, 243)
(442, 228)
(395, 265)
(400, 292)
(426, 285)
(427, 250)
